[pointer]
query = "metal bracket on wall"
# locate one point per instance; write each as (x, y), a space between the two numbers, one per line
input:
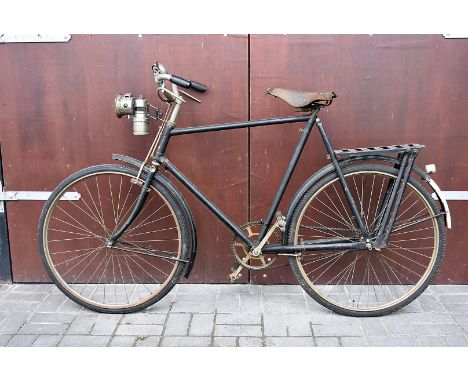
(453, 195)
(33, 195)
(11, 38)
(452, 35)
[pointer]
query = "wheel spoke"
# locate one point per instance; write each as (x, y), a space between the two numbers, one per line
(366, 282)
(104, 278)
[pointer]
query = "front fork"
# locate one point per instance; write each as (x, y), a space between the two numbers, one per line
(145, 189)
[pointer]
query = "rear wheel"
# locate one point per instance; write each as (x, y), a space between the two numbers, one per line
(144, 264)
(367, 282)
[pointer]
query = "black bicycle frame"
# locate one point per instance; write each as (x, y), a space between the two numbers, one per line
(160, 159)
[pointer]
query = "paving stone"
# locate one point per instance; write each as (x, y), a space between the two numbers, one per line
(177, 324)
(340, 330)
(105, 324)
(82, 324)
(26, 296)
(413, 307)
(51, 303)
(13, 322)
(147, 341)
(289, 341)
(330, 318)
(160, 307)
(353, 341)
(18, 306)
(186, 341)
(47, 340)
(239, 318)
(455, 340)
(327, 341)
(38, 288)
(448, 289)
(202, 324)
(429, 318)
(224, 341)
(139, 330)
(436, 329)
(196, 297)
(431, 341)
(238, 330)
(144, 319)
(250, 342)
(457, 308)
(276, 325)
(228, 303)
(197, 288)
(282, 289)
(123, 341)
(70, 306)
(250, 303)
(462, 320)
(4, 338)
(392, 341)
(29, 328)
(193, 307)
(80, 340)
(22, 340)
(226, 289)
(297, 308)
(398, 328)
(372, 326)
(431, 303)
(313, 306)
(454, 299)
(52, 318)
(275, 308)
(5, 288)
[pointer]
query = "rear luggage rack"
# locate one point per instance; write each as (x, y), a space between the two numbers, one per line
(345, 153)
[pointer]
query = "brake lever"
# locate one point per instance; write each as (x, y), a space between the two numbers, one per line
(190, 96)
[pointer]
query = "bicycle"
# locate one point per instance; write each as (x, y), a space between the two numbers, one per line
(363, 236)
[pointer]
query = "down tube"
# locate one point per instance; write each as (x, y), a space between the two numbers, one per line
(208, 203)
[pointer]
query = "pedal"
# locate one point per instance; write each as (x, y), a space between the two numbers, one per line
(235, 275)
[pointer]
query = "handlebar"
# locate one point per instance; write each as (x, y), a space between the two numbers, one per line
(188, 84)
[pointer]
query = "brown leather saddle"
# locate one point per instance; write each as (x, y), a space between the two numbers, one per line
(303, 101)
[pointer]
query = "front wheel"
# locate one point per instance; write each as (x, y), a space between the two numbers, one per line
(367, 282)
(144, 264)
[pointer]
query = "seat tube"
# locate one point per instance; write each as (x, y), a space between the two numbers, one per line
(287, 175)
(357, 216)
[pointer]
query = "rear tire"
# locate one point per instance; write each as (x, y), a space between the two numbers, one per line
(366, 282)
(140, 269)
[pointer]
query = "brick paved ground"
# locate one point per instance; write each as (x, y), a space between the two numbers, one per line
(228, 315)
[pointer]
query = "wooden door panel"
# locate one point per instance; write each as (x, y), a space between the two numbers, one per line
(57, 117)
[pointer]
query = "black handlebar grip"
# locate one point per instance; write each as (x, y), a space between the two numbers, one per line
(179, 81)
(197, 86)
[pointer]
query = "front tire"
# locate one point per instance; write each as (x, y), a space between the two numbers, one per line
(366, 282)
(145, 263)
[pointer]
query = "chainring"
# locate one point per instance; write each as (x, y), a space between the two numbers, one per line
(241, 253)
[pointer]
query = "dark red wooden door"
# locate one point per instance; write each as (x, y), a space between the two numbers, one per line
(391, 90)
(57, 117)
(56, 103)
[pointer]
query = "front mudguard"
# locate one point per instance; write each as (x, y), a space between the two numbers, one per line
(324, 171)
(180, 200)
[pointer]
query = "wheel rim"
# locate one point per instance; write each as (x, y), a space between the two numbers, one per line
(141, 264)
(367, 280)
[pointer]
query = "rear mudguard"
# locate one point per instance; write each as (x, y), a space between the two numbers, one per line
(324, 171)
(180, 200)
